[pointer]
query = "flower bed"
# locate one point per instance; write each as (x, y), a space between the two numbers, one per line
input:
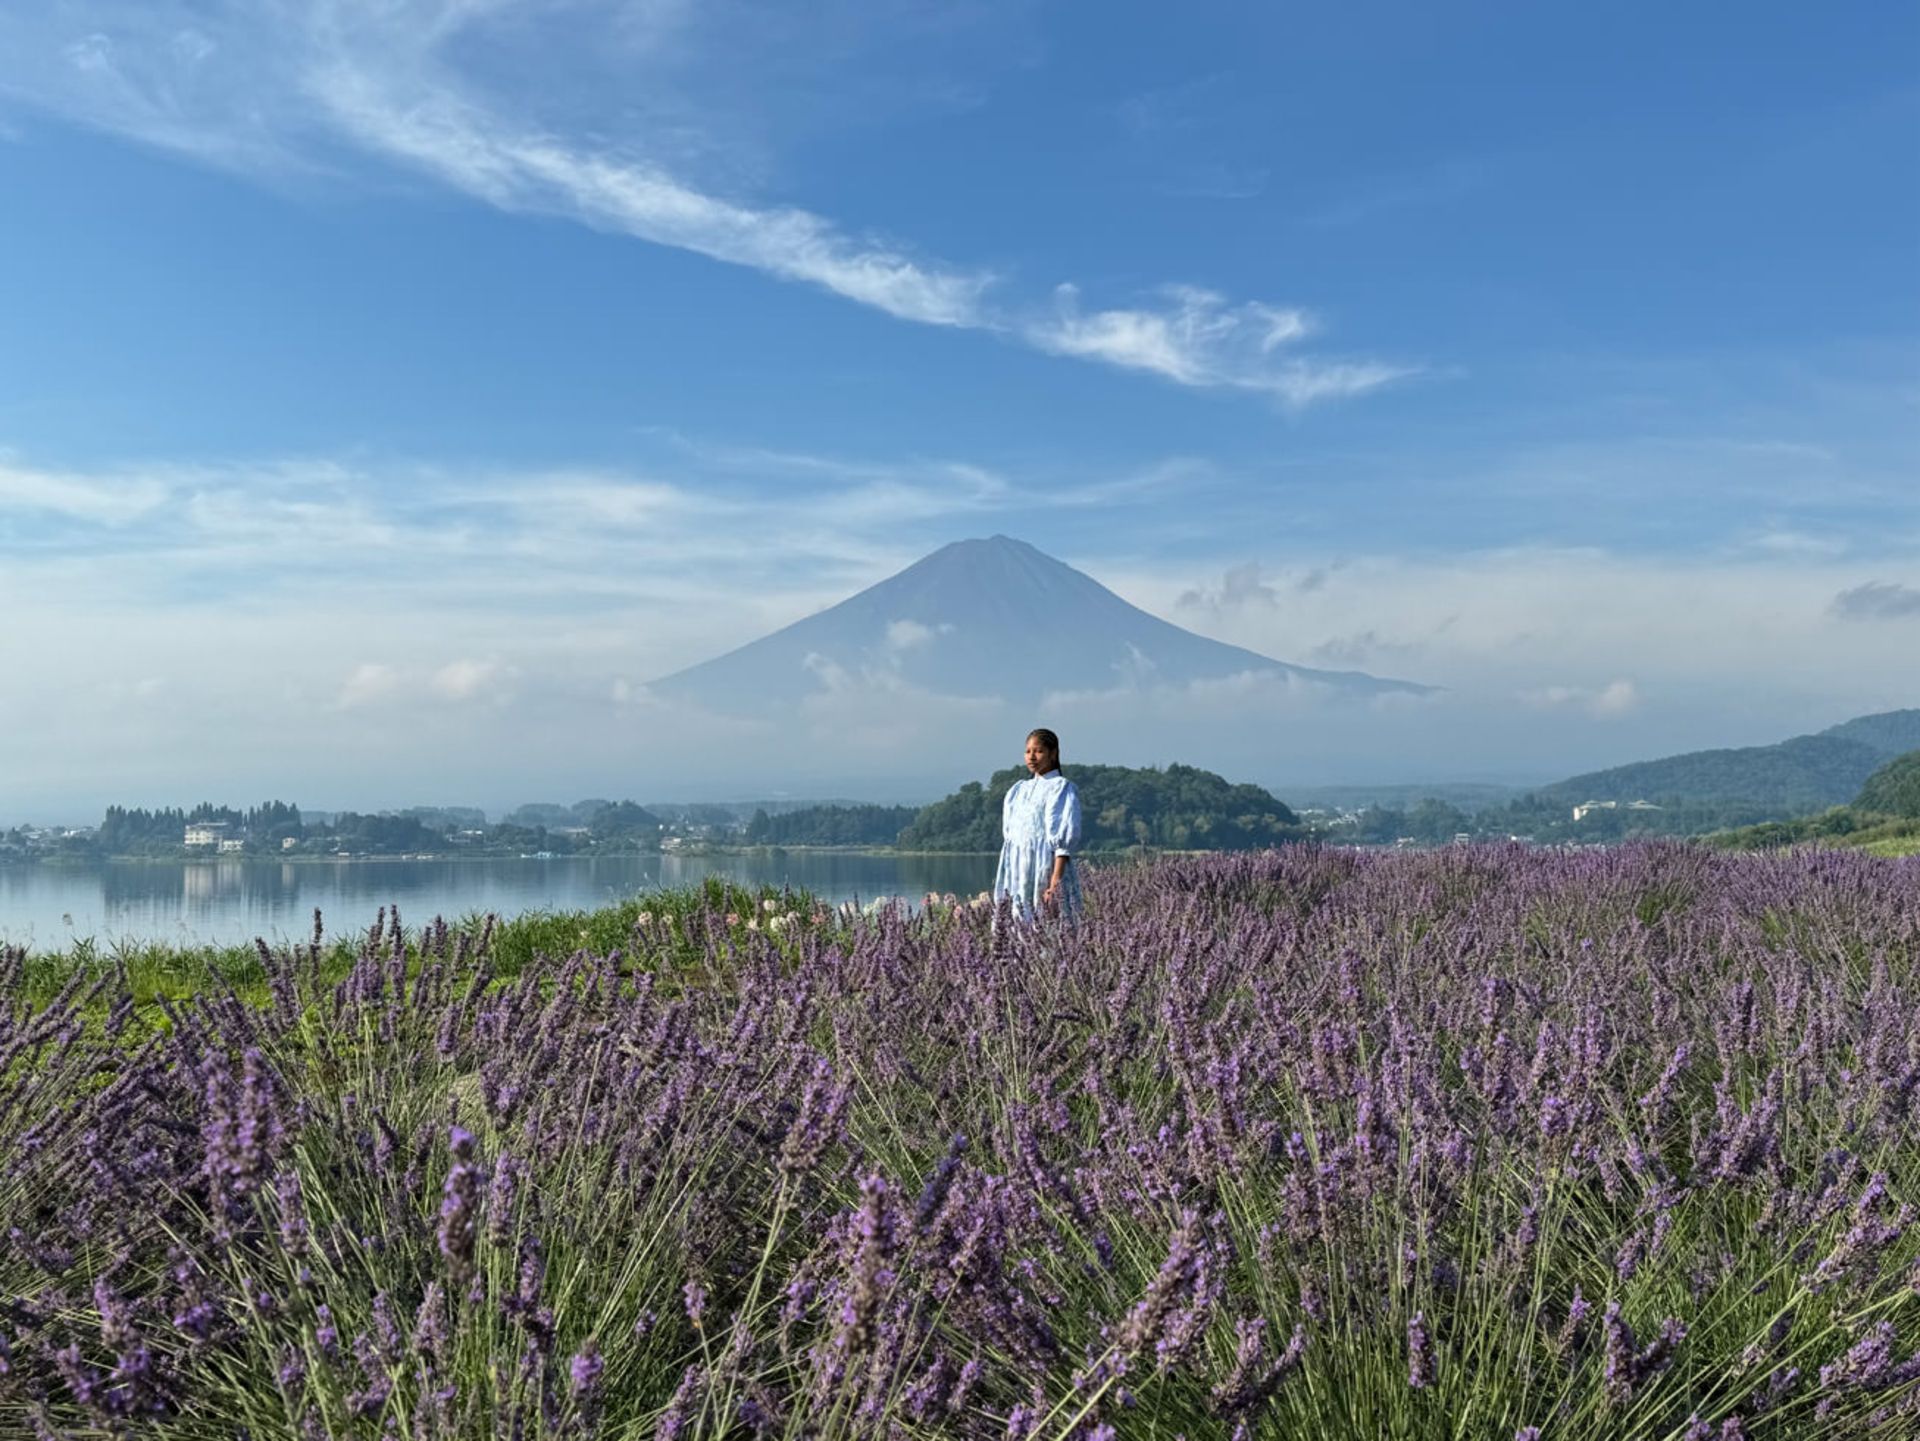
(1482, 1142)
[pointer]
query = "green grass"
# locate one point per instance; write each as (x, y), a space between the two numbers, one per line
(1894, 846)
(157, 971)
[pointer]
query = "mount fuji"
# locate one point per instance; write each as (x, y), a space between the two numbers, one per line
(985, 618)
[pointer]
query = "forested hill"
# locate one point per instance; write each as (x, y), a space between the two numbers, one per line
(1806, 773)
(1894, 789)
(1892, 732)
(1884, 818)
(1181, 807)
(829, 825)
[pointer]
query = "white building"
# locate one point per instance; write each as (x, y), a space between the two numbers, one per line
(1580, 812)
(206, 833)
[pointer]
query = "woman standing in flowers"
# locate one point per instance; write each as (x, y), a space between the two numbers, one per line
(1039, 832)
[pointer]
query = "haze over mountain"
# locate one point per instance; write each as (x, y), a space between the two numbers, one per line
(988, 618)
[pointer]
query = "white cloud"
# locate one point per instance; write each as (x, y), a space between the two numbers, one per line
(101, 500)
(425, 660)
(461, 144)
(466, 680)
(1250, 695)
(277, 88)
(369, 683)
(906, 635)
(1615, 698)
(875, 718)
(1196, 338)
(1241, 585)
(1665, 652)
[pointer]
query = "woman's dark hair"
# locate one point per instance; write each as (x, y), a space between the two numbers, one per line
(1046, 738)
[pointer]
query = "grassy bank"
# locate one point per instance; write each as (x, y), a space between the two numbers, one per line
(152, 971)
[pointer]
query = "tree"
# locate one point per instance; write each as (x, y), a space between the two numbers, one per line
(624, 821)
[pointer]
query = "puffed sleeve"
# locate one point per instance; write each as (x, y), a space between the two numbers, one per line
(1063, 820)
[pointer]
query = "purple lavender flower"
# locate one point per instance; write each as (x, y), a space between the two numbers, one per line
(325, 1334)
(682, 1406)
(822, 1104)
(584, 1370)
(430, 1337)
(1146, 1323)
(1420, 1361)
(508, 1176)
(1629, 1365)
(241, 1126)
(457, 1209)
(934, 1194)
(195, 1321)
(1866, 1362)
(291, 1204)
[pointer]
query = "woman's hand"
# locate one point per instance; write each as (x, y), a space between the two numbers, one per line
(1050, 897)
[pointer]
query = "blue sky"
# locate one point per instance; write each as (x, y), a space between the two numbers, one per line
(503, 355)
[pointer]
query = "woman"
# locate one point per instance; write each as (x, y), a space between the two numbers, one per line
(1039, 832)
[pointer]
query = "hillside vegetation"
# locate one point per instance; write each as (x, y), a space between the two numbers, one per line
(1883, 819)
(1179, 808)
(828, 826)
(1894, 789)
(1805, 773)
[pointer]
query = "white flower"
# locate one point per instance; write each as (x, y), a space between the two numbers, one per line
(769, 905)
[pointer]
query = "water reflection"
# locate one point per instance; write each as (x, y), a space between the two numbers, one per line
(235, 900)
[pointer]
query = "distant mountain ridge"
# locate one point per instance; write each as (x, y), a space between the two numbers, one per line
(1795, 776)
(976, 618)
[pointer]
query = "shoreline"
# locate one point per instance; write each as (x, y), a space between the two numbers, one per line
(415, 857)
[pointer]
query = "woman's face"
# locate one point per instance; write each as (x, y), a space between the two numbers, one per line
(1040, 760)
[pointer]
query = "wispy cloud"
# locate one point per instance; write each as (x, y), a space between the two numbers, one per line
(461, 143)
(1366, 647)
(271, 88)
(586, 547)
(97, 499)
(1251, 586)
(1197, 338)
(442, 616)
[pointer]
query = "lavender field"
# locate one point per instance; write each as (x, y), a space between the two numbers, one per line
(1479, 1143)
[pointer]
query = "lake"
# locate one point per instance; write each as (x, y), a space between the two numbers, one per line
(48, 907)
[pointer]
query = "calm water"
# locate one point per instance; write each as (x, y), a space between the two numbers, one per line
(234, 901)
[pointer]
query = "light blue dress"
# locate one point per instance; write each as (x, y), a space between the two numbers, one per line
(1039, 819)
